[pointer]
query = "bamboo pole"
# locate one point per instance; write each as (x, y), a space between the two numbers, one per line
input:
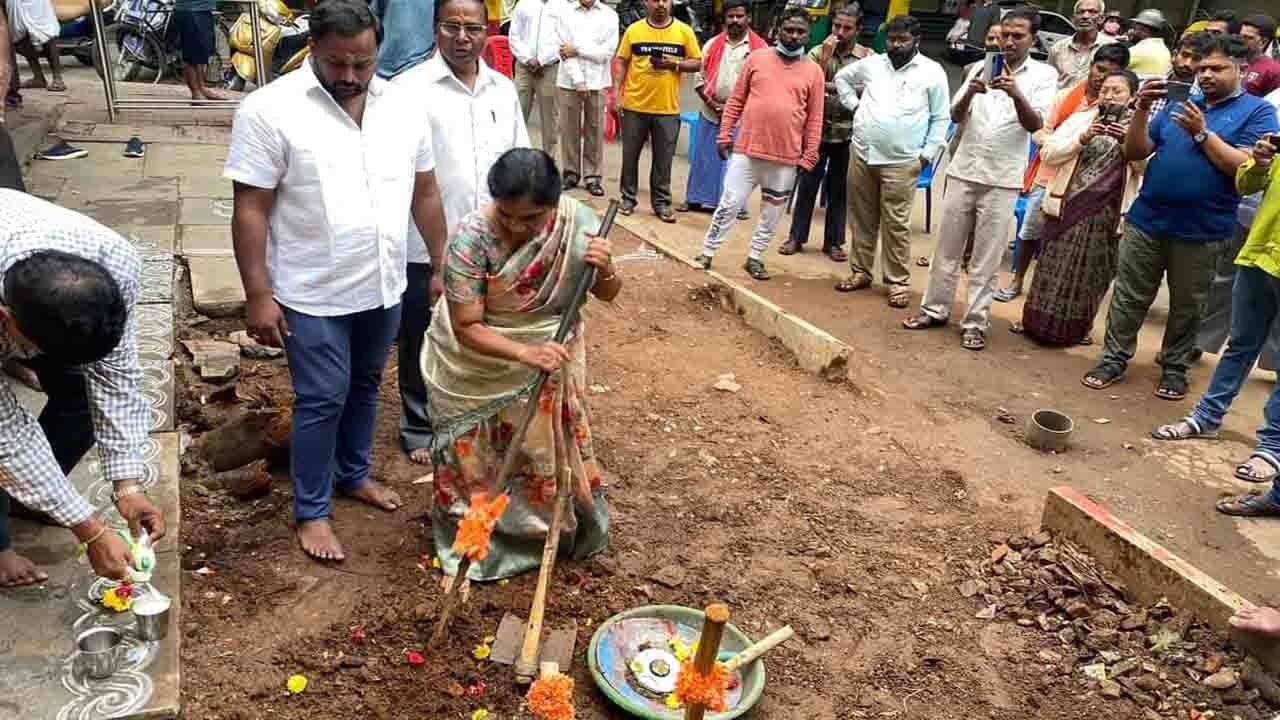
(717, 616)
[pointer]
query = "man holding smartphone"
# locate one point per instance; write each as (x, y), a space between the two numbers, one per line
(1185, 212)
(1256, 297)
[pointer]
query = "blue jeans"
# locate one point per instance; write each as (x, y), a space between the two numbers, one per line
(336, 366)
(1255, 301)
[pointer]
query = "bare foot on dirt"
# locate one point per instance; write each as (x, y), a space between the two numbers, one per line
(1261, 620)
(377, 495)
(211, 95)
(17, 571)
(446, 584)
(421, 456)
(318, 541)
(23, 374)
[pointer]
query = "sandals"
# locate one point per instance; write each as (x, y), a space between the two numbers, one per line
(569, 182)
(837, 254)
(922, 321)
(1103, 376)
(1172, 387)
(1018, 329)
(973, 340)
(1007, 294)
(627, 208)
(1245, 470)
(1187, 429)
(899, 300)
(854, 283)
(755, 269)
(665, 214)
(703, 261)
(790, 247)
(1248, 506)
(594, 186)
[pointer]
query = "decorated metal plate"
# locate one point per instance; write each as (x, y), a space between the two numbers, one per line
(635, 657)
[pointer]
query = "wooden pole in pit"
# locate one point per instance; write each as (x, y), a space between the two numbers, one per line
(717, 616)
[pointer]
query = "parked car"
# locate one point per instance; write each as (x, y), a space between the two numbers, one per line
(1053, 27)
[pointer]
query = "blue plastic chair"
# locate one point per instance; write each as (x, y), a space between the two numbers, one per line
(692, 119)
(925, 181)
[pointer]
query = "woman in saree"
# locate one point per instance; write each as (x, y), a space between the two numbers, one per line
(1084, 206)
(510, 270)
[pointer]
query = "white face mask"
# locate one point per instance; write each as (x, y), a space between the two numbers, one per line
(782, 50)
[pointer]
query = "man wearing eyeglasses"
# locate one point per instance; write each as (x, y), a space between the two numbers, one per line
(535, 42)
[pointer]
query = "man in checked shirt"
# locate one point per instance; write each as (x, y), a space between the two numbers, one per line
(68, 287)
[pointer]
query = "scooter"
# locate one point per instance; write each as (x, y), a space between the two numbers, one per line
(76, 34)
(284, 34)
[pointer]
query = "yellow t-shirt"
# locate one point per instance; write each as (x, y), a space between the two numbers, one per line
(647, 89)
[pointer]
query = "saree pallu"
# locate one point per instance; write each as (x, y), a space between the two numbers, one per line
(1079, 250)
(476, 401)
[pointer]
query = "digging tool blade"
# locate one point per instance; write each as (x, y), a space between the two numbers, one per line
(557, 644)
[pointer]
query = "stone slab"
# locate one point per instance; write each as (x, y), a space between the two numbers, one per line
(36, 681)
(215, 286)
(175, 160)
(83, 192)
(46, 188)
(152, 240)
(206, 240)
(104, 164)
(126, 215)
(205, 211)
(73, 131)
(158, 389)
(157, 279)
(1149, 570)
(204, 186)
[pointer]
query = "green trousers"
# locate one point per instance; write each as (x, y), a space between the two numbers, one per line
(1144, 261)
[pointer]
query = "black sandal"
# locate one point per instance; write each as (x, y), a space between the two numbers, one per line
(1248, 506)
(1172, 387)
(1104, 375)
(755, 269)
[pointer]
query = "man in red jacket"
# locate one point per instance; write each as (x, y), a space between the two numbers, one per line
(776, 107)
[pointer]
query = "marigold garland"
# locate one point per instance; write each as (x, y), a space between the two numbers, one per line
(551, 698)
(477, 525)
(709, 690)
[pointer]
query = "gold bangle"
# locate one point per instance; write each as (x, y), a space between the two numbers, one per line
(610, 276)
(84, 546)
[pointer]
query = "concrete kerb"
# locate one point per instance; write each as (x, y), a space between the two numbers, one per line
(29, 136)
(815, 349)
(1149, 570)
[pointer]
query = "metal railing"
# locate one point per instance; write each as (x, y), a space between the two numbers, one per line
(115, 103)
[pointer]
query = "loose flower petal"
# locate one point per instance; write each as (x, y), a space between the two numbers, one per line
(357, 635)
(296, 684)
(413, 657)
(480, 714)
(481, 652)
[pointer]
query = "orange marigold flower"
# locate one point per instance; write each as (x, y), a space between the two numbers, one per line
(551, 697)
(709, 690)
(477, 526)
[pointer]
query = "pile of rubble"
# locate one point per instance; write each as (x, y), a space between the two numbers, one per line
(1157, 657)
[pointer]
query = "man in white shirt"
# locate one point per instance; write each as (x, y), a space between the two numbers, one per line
(474, 117)
(899, 126)
(535, 43)
(985, 177)
(588, 39)
(327, 163)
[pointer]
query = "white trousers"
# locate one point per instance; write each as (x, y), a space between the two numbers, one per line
(741, 176)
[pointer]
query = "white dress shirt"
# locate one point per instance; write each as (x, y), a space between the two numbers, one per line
(120, 414)
(903, 112)
(469, 131)
(534, 33)
(337, 233)
(594, 33)
(994, 146)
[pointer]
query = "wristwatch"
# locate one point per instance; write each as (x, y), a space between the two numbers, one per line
(131, 490)
(1200, 137)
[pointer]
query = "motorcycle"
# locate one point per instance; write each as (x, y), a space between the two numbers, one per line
(284, 34)
(147, 45)
(697, 14)
(75, 36)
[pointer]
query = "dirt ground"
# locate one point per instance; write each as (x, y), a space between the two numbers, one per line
(787, 500)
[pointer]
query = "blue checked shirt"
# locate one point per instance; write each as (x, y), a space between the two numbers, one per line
(120, 413)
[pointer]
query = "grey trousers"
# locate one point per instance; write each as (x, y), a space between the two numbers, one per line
(663, 131)
(1215, 320)
(543, 84)
(582, 133)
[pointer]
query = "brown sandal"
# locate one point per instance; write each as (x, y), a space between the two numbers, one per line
(854, 283)
(922, 322)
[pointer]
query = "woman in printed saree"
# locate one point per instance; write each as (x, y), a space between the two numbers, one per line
(1085, 203)
(509, 272)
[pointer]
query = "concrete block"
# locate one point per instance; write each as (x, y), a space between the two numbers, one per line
(73, 131)
(1148, 570)
(205, 211)
(46, 188)
(204, 186)
(41, 622)
(215, 286)
(206, 240)
(176, 160)
(216, 359)
(125, 215)
(152, 240)
(81, 192)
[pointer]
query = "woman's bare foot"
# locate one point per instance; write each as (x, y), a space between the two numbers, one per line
(1261, 620)
(421, 456)
(377, 495)
(15, 369)
(446, 584)
(17, 571)
(318, 541)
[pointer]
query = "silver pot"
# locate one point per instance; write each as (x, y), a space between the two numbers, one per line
(98, 653)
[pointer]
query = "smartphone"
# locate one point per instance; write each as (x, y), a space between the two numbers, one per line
(1274, 139)
(1177, 92)
(994, 66)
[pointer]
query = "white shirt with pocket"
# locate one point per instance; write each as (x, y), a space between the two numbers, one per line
(336, 240)
(594, 33)
(470, 130)
(535, 33)
(994, 147)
